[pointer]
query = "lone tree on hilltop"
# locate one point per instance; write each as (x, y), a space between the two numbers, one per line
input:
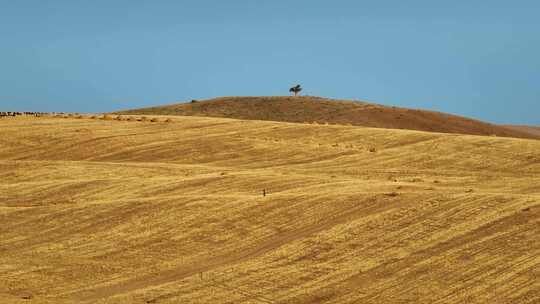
(296, 89)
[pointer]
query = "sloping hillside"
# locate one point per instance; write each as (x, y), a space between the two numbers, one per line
(98, 211)
(533, 130)
(321, 110)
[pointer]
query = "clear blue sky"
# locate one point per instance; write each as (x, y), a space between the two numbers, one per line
(471, 57)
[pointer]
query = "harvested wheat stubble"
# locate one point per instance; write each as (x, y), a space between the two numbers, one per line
(96, 211)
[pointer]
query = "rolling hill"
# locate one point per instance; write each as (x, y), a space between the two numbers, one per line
(105, 211)
(308, 109)
(533, 130)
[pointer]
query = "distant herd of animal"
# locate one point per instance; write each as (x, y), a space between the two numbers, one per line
(77, 115)
(13, 114)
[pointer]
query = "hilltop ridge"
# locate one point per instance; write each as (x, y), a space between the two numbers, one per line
(309, 109)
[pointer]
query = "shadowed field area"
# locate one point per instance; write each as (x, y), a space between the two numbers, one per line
(104, 211)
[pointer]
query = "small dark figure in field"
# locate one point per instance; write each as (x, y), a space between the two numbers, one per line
(264, 192)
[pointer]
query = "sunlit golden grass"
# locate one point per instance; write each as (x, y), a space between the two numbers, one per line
(106, 211)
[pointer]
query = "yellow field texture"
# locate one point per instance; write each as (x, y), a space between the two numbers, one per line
(105, 211)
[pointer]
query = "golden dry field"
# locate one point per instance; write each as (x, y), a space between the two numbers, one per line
(106, 211)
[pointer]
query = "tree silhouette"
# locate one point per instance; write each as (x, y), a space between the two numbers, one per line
(296, 89)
